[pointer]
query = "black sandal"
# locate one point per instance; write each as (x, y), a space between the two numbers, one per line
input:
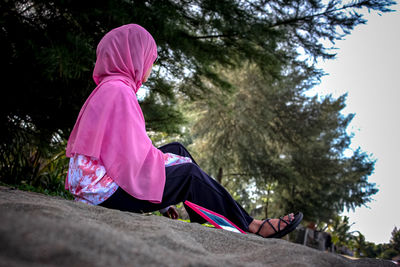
(290, 226)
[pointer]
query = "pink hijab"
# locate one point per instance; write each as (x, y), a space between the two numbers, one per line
(110, 125)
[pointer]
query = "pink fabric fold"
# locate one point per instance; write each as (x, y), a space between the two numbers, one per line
(110, 125)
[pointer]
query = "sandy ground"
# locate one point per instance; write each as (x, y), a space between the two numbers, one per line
(38, 230)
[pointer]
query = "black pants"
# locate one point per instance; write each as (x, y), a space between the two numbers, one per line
(185, 182)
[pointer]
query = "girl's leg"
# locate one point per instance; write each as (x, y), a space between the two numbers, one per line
(121, 200)
(178, 149)
(189, 182)
(186, 182)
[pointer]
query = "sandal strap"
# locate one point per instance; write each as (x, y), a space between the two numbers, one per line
(261, 226)
(283, 220)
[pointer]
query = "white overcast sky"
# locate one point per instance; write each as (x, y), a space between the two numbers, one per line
(367, 68)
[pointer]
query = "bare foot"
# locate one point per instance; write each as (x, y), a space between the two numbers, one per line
(266, 229)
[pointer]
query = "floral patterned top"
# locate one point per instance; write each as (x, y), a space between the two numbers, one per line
(88, 181)
(172, 159)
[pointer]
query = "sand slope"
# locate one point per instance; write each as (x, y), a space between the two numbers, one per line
(38, 230)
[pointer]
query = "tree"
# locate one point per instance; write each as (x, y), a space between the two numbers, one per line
(47, 69)
(355, 241)
(52, 60)
(395, 240)
(365, 249)
(268, 136)
(383, 251)
(388, 254)
(341, 235)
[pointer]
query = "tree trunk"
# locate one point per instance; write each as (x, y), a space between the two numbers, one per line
(266, 205)
(219, 175)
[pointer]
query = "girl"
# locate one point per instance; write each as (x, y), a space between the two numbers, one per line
(112, 160)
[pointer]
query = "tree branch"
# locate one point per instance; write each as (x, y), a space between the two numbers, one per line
(212, 36)
(304, 18)
(26, 9)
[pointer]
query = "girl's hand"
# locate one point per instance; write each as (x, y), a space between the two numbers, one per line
(171, 213)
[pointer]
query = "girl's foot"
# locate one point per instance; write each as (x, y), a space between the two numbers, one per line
(270, 227)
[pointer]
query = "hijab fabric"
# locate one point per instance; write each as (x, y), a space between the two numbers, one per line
(110, 125)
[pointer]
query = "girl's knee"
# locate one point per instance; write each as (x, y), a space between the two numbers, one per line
(191, 170)
(170, 145)
(196, 172)
(190, 167)
(177, 144)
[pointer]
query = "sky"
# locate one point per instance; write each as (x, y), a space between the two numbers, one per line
(367, 68)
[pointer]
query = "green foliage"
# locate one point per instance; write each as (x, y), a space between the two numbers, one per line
(340, 231)
(355, 241)
(395, 240)
(52, 60)
(29, 164)
(388, 254)
(267, 137)
(48, 51)
(363, 248)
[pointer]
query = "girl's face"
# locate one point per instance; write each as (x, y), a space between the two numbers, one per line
(147, 74)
